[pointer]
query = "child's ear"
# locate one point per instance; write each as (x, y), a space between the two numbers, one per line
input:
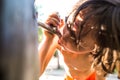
(61, 23)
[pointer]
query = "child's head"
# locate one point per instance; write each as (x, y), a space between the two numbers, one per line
(96, 19)
(94, 25)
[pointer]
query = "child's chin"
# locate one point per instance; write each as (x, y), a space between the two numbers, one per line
(80, 51)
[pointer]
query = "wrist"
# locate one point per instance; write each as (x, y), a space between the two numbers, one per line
(49, 36)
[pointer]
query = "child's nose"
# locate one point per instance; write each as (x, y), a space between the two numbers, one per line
(74, 27)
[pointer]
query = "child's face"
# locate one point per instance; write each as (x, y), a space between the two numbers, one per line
(86, 42)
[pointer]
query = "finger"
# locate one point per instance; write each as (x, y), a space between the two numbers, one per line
(55, 15)
(56, 20)
(52, 22)
(61, 23)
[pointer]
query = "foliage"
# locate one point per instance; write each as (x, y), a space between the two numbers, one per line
(40, 34)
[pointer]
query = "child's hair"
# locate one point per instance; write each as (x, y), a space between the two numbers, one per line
(104, 15)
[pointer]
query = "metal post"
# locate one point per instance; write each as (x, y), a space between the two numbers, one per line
(18, 42)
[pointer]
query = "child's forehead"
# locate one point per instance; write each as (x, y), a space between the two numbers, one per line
(80, 15)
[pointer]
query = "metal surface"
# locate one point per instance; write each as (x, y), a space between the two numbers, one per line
(18, 42)
(52, 30)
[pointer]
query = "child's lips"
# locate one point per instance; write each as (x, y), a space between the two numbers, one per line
(73, 49)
